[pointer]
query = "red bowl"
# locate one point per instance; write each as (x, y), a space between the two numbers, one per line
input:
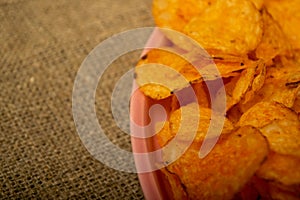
(153, 183)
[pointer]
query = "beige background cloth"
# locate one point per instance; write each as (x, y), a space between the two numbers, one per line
(42, 44)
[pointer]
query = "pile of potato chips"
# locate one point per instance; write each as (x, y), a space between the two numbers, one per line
(255, 45)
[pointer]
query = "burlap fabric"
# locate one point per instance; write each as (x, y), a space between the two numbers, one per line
(42, 44)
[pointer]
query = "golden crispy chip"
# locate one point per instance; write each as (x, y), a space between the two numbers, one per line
(250, 80)
(165, 14)
(157, 73)
(225, 170)
(281, 168)
(160, 72)
(175, 14)
(283, 136)
(233, 27)
(205, 116)
(281, 84)
(263, 113)
(287, 14)
(278, 124)
(273, 42)
(258, 81)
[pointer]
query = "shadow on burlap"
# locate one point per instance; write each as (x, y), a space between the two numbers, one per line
(43, 44)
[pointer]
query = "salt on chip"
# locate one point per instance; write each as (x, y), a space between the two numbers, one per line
(281, 168)
(233, 27)
(225, 170)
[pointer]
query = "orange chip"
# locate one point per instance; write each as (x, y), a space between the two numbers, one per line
(278, 124)
(175, 14)
(157, 73)
(225, 170)
(273, 42)
(281, 168)
(250, 80)
(233, 27)
(281, 84)
(287, 14)
(205, 117)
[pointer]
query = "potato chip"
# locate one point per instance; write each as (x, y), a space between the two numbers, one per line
(160, 72)
(250, 80)
(278, 124)
(254, 46)
(287, 14)
(258, 81)
(165, 14)
(281, 84)
(157, 73)
(283, 136)
(281, 168)
(225, 170)
(233, 27)
(188, 114)
(273, 42)
(175, 14)
(263, 113)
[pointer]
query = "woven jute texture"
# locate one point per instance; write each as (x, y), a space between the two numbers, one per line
(42, 45)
